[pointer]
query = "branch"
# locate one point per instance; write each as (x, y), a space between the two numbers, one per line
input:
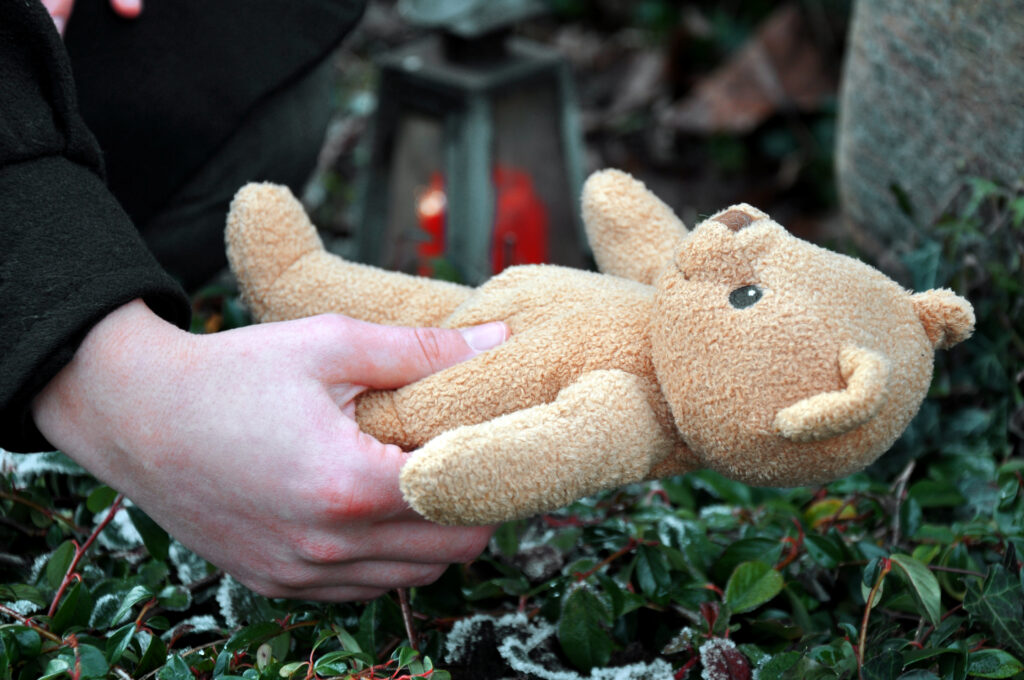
(80, 552)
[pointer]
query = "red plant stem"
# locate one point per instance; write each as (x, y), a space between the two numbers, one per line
(630, 546)
(72, 641)
(886, 567)
(795, 545)
(25, 621)
(80, 551)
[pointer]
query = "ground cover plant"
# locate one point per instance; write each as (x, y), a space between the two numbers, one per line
(911, 569)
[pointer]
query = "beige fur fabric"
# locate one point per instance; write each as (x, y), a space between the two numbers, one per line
(735, 346)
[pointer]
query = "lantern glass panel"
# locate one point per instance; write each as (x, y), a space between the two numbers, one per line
(415, 210)
(528, 139)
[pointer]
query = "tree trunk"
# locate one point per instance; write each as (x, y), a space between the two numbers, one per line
(933, 91)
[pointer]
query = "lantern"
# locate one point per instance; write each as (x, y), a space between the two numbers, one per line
(476, 154)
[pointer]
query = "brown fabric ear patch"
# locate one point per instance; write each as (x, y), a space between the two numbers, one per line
(734, 219)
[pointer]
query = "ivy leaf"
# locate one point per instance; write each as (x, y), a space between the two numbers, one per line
(581, 630)
(751, 585)
(993, 663)
(923, 585)
(999, 604)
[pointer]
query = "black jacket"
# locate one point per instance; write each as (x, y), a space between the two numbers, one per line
(164, 93)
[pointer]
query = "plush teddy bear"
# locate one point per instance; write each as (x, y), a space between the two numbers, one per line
(735, 346)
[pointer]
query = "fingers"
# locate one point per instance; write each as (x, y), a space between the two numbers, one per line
(412, 541)
(387, 357)
(60, 12)
(363, 581)
(129, 9)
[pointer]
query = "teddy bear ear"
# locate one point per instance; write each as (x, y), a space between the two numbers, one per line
(830, 414)
(947, 318)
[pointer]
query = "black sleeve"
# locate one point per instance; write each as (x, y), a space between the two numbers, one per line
(69, 255)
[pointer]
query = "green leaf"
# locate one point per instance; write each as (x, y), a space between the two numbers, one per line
(155, 539)
(823, 550)
(884, 666)
(93, 663)
(745, 550)
(751, 585)
(581, 630)
(175, 669)
(74, 608)
(993, 663)
(134, 596)
(118, 641)
(998, 604)
(779, 667)
(652, 572)
(506, 538)
(12, 592)
(923, 585)
(175, 598)
(100, 499)
(290, 669)
(257, 632)
(155, 654)
(57, 565)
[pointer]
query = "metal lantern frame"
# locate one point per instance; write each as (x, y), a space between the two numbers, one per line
(460, 95)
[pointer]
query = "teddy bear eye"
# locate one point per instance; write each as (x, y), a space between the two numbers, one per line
(744, 297)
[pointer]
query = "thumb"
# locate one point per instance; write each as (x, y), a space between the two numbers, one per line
(387, 357)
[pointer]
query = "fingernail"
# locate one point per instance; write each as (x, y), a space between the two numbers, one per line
(485, 336)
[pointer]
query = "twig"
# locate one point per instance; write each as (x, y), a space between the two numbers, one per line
(81, 550)
(410, 630)
(899, 491)
(43, 510)
(886, 567)
(26, 621)
(630, 546)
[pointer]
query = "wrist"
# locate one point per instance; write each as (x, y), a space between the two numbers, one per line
(90, 408)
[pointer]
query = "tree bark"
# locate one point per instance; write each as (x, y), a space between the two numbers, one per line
(933, 91)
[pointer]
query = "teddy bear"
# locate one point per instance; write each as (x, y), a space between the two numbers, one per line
(735, 346)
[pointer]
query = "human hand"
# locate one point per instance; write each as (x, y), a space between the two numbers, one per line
(242, 445)
(60, 10)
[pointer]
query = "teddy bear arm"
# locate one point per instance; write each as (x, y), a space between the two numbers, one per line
(599, 433)
(631, 232)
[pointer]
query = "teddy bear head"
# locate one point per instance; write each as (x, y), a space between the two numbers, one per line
(787, 364)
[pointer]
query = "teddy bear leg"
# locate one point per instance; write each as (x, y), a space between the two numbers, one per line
(284, 272)
(321, 282)
(598, 433)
